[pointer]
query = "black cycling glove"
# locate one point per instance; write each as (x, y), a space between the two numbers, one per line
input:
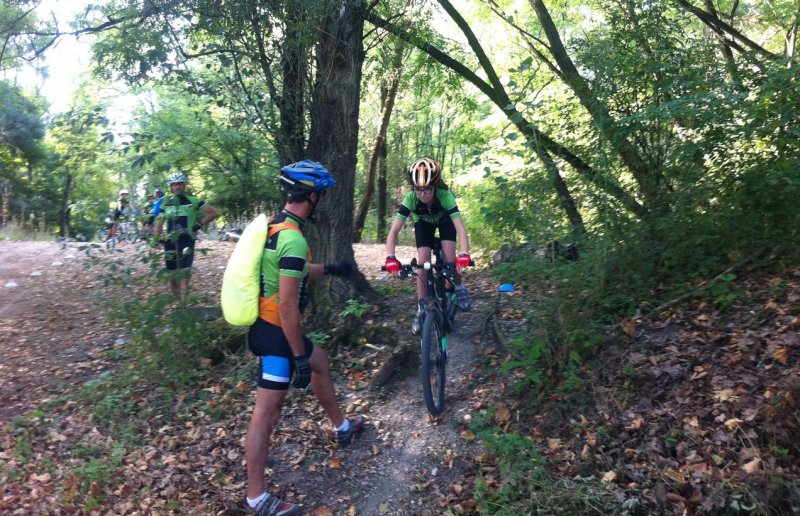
(340, 268)
(197, 227)
(302, 372)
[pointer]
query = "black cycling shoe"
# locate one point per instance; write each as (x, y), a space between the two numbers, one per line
(344, 437)
(463, 299)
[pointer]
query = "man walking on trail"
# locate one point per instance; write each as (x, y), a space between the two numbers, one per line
(276, 336)
(184, 216)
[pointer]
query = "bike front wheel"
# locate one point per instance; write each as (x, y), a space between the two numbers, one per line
(434, 358)
(131, 234)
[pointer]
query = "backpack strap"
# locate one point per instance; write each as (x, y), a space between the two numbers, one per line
(268, 307)
(274, 228)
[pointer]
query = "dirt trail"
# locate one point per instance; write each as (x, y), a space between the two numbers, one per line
(50, 334)
(404, 463)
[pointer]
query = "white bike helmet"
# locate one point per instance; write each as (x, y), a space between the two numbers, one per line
(424, 172)
(177, 177)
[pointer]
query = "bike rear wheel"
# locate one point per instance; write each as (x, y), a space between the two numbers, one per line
(434, 358)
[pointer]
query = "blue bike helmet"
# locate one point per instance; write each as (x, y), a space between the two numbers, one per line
(305, 177)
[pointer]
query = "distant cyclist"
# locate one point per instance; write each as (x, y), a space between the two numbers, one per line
(118, 210)
(155, 207)
(183, 215)
(432, 206)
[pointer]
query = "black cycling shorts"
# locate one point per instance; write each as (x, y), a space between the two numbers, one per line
(424, 232)
(276, 360)
(179, 254)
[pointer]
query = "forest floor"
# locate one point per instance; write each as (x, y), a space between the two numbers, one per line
(695, 411)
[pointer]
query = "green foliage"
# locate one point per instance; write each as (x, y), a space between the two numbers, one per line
(567, 322)
(318, 338)
(514, 203)
(99, 465)
(721, 293)
(355, 308)
(21, 124)
(222, 152)
(14, 231)
(168, 339)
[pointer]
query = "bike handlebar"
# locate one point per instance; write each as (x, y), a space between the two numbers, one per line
(409, 270)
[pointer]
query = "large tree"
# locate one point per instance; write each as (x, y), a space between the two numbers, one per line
(294, 69)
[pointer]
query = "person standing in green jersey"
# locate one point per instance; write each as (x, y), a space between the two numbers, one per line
(184, 215)
(432, 206)
(285, 354)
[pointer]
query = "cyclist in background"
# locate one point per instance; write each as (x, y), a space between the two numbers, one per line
(155, 207)
(431, 205)
(118, 210)
(184, 215)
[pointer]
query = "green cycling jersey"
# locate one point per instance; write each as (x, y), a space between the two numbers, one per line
(444, 205)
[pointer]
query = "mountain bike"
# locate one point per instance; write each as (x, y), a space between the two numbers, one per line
(438, 320)
(129, 231)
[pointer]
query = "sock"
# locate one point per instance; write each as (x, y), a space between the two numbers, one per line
(255, 501)
(344, 427)
(422, 305)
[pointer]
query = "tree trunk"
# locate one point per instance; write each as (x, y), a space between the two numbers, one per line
(63, 219)
(334, 142)
(564, 197)
(5, 201)
(380, 142)
(381, 207)
(291, 138)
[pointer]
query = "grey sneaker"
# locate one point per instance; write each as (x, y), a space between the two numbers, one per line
(416, 325)
(463, 299)
(272, 506)
(344, 437)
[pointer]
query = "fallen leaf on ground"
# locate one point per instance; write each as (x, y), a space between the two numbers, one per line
(752, 466)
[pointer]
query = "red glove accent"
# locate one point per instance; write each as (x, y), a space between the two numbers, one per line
(392, 265)
(463, 260)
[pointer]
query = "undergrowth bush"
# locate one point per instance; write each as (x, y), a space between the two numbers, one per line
(169, 342)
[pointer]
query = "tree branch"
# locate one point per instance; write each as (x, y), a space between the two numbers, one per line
(720, 27)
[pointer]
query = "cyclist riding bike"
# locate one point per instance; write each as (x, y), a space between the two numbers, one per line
(118, 210)
(432, 206)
